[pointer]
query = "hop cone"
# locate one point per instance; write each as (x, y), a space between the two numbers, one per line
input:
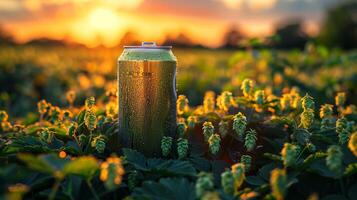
(285, 101)
(204, 183)
(90, 120)
(6, 126)
(133, 179)
(181, 104)
(181, 128)
(225, 100)
(89, 103)
(191, 121)
(3, 116)
(247, 87)
(111, 172)
(42, 106)
(307, 118)
(289, 154)
(259, 97)
(334, 158)
(247, 161)
(238, 174)
(250, 139)
(227, 182)
(326, 111)
(99, 143)
(311, 147)
(307, 102)
(208, 130)
(239, 124)
(342, 130)
(223, 128)
(352, 144)
(214, 143)
(72, 129)
(209, 102)
(182, 148)
(166, 144)
(71, 96)
(278, 182)
(340, 99)
(82, 139)
(295, 99)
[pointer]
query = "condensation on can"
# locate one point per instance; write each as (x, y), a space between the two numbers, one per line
(147, 97)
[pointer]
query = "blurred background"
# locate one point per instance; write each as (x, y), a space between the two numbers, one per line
(48, 47)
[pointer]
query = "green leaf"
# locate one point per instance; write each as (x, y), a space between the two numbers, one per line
(334, 197)
(313, 157)
(27, 144)
(264, 172)
(84, 166)
(135, 158)
(273, 157)
(255, 180)
(166, 189)
(36, 163)
(350, 170)
(171, 167)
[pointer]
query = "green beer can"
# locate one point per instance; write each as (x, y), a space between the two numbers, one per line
(147, 96)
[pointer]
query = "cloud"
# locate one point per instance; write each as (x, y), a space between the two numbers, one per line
(9, 5)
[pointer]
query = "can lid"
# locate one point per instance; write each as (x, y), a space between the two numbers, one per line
(148, 45)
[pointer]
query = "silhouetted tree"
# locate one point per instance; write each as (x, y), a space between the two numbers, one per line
(232, 38)
(340, 26)
(181, 40)
(291, 35)
(129, 38)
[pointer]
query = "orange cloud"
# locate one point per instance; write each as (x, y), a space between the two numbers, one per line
(250, 4)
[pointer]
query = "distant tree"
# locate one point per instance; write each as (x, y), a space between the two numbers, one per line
(129, 38)
(340, 26)
(181, 40)
(232, 38)
(5, 37)
(46, 42)
(291, 35)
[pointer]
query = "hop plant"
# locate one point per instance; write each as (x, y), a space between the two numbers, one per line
(227, 182)
(352, 143)
(133, 180)
(225, 100)
(295, 98)
(334, 158)
(111, 172)
(247, 87)
(307, 102)
(278, 182)
(82, 139)
(340, 99)
(166, 143)
(191, 121)
(223, 128)
(208, 130)
(239, 124)
(250, 139)
(89, 103)
(285, 101)
(72, 129)
(326, 111)
(307, 118)
(181, 128)
(209, 102)
(259, 97)
(46, 135)
(99, 143)
(204, 183)
(238, 174)
(214, 143)
(90, 120)
(111, 109)
(326, 123)
(342, 131)
(181, 104)
(289, 154)
(3, 116)
(6, 126)
(71, 96)
(182, 148)
(54, 113)
(247, 161)
(42, 106)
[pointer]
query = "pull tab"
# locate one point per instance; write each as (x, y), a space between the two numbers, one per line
(148, 44)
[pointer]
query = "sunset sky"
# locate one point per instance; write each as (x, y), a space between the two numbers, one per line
(94, 22)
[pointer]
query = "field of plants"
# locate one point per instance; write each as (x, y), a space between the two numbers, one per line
(252, 124)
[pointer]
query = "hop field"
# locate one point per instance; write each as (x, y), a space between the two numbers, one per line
(257, 124)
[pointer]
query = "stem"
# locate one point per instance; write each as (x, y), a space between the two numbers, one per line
(90, 139)
(342, 187)
(54, 189)
(78, 143)
(92, 190)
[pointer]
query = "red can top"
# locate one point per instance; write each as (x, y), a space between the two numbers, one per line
(148, 45)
